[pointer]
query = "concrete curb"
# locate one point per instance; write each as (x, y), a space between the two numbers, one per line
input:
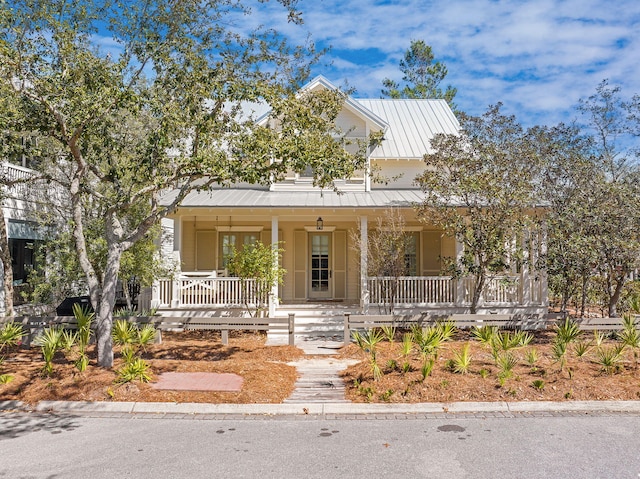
(81, 407)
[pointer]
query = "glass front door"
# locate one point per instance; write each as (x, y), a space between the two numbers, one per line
(320, 270)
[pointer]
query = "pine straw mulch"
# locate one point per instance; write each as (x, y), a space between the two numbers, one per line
(266, 376)
(580, 379)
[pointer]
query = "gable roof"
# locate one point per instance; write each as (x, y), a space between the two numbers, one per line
(412, 125)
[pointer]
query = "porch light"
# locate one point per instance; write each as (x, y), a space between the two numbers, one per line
(319, 224)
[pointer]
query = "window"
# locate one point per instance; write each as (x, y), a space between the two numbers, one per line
(411, 255)
(236, 240)
(23, 258)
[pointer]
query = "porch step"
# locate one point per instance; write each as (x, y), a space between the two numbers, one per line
(319, 381)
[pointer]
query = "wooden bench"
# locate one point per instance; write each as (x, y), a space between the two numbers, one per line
(603, 324)
(34, 326)
(224, 324)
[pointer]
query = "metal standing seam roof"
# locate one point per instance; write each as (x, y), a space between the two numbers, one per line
(260, 198)
(412, 125)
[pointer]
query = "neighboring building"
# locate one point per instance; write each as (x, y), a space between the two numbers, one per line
(22, 230)
(320, 257)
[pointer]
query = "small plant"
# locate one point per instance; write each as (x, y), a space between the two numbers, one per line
(462, 360)
(598, 337)
(444, 384)
(376, 370)
(135, 370)
(6, 378)
(484, 334)
(427, 367)
(531, 356)
(10, 334)
(386, 396)
(406, 367)
(50, 342)
(429, 341)
(581, 348)
(370, 340)
(568, 394)
(366, 391)
(389, 333)
(407, 344)
(357, 338)
(568, 331)
(608, 358)
(484, 373)
(392, 364)
(506, 362)
(447, 329)
(630, 336)
(559, 352)
(538, 384)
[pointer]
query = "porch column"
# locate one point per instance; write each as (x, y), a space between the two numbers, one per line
(544, 286)
(525, 276)
(364, 254)
(177, 242)
(273, 297)
(460, 290)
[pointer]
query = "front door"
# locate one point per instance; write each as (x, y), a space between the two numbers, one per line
(321, 281)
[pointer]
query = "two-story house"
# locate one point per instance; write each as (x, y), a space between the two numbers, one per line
(323, 261)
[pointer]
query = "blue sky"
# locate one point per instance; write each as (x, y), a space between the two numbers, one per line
(536, 57)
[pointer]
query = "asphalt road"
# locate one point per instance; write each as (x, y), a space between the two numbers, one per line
(139, 446)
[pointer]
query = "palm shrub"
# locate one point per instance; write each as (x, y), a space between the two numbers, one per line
(50, 341)
(84, 318)
(371, 339)
(581, 348)
(484, 334)
(609, 358)
(429, 341)
(407, 344)
(389, 333)
(447, 329)
(531, 356)
(427, 367)
(462, 360)
(559, 352)
(630, 336)
(568, 331)
(505, 362)
(10, 334)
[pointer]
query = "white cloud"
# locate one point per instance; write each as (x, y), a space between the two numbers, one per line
(536, 56)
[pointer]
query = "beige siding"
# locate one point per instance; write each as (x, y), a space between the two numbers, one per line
(300, 265)
(351, 124)
(399, 173)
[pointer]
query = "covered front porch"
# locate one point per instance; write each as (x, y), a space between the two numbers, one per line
(327, 255)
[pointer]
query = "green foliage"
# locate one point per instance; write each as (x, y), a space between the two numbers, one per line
(392, 364)
(407, 344)
(462, 360)
(135, 370)
(581, 348)
(609, 358)
(6, 378)
(567, 332)
(50, 342)
(484, 373)
(538, 384)
(127, 333)
(429, 340)
(389, 333)
(531, 356)
(484, 334)
(427, 367)
(630, 336)
(505, 362)
(422, 74)
(258, 267)
(559, 352)
(370, 340)
(376, 370)
(490, 171)
(10, 334)
(446, 329)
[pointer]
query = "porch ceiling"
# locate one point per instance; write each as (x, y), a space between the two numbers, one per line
(258, 198)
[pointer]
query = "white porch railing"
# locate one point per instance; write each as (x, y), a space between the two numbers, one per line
(412, 289)
(504, 289)
(208, 291)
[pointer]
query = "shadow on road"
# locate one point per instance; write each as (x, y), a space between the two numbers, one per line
(13, 425)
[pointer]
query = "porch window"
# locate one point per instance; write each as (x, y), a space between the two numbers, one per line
(411, 255)
(236, 240)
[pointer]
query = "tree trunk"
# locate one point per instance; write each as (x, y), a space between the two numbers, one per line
(615, 297)
(105, 308)
(5, 257)
(480, 280)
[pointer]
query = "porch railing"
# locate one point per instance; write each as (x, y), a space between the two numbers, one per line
(210, 291)
(412, 289)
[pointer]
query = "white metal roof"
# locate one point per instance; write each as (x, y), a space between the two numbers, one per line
(412, 125)
(260, 198)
